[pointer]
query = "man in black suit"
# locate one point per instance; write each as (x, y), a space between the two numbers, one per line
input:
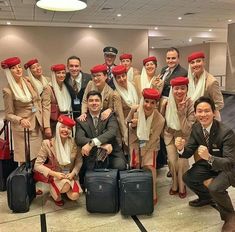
(94, 134)
(214, 171)
(76, 82)
(172, 70)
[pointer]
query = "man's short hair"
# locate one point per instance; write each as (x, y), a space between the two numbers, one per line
(204, 99)
(94, 93)
(73, 58)
(172, 49)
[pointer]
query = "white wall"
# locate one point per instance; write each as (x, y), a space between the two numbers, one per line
(53, 45)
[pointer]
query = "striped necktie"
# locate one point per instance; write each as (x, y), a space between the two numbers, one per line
(206, 135)
(75, 87)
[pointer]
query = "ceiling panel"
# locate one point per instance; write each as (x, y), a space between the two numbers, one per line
(142, 14)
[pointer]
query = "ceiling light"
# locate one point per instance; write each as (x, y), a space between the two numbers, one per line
(155, 28)
(119, 15)
(230, 20)
(8, 23)
(152, 47)
(210, 29)
(190, 40)
(90, 26)
(62, 5)
(179, 18)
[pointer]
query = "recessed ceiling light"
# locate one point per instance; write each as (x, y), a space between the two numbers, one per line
(190, 40)
(62, 5)
(210, 30)
(230, 20)
(90, 26)
(152, 47)
(8, 23)
(155, 28)
(119, 15)
(179, 18)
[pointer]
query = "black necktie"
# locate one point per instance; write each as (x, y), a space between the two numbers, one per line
(206, 135)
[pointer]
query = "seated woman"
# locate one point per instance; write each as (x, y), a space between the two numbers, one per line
(62, 154)
(125, 97)
(145, 129)
(60, 96)
(179, 120)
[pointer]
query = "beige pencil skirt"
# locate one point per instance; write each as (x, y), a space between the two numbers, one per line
(35, 140)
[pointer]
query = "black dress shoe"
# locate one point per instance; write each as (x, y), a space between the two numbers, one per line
(199, 202)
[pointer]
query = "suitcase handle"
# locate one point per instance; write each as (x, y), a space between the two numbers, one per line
(101, 170)
(27, 148)
(135, 170)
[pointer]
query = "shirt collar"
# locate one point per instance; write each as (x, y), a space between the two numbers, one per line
(78, 78)
(208, 128)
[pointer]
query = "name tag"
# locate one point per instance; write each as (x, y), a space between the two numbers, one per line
(34, 109)
(215, 149)
(76, 101)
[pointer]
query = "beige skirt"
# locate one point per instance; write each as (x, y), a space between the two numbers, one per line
(57, 185)
(35, 140)
(147, 158)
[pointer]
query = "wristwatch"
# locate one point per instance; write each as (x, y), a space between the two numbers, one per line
(91, 143)
(211, 159)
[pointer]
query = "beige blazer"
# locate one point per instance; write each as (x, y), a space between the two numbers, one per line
(107, 97)
(16, 110)
(46, 106)
(47, 151)
(121, 110)
(154, 139)
(155, 85)
(186, 118)
(213, 91)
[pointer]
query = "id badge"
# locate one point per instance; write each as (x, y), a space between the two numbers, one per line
(34, 109)
(76, 101)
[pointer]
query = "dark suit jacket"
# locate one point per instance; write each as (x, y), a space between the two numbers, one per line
(106, 133)
(178, 71)
(221, 146)
(85, 79)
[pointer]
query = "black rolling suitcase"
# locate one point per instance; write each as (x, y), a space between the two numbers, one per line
(7, 164)
(136, 190)
(21, 188)
(101, 188)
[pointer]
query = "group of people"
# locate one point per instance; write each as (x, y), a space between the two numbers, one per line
(118, 110)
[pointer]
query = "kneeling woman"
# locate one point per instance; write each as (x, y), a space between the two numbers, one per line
(62, 154)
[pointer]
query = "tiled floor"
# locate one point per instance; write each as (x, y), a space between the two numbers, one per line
(171, 214)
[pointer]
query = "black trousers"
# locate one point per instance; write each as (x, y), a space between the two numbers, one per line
(217, 190)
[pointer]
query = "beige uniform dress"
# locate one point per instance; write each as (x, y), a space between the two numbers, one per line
(121, 110)
(47, 152)
(149, 151)
(107, 96)
(16, 110)
(213, 91)
(46, 106)
(178, 166)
